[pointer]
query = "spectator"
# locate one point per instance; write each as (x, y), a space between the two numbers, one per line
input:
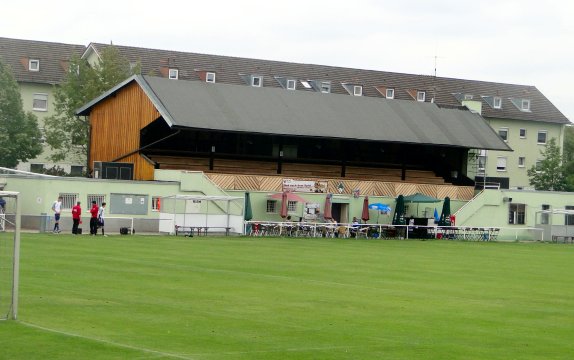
(94, 219)
(76, 213)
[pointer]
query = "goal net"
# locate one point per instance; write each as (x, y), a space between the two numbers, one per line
(9, 253)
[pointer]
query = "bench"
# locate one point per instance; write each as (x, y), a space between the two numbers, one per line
(198, 230)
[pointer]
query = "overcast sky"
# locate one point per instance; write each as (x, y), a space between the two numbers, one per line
(522, 42)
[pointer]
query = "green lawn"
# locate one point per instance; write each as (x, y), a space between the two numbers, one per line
(152, 297)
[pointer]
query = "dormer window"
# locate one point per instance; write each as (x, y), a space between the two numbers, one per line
(325, 87)
(256, 81)
(497, 102)
(390, 93)
(306, 84)
(357, 90)
(173, 74)
(34, 65)
(468, 96)
(291, 84)
(421, 96)
(521, 104)
(210, 77)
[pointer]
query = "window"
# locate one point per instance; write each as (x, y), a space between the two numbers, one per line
(68, 200)
(523, 133)
(497, 102)
(76, 170)
(468, 97)
(421, 96)
(501, 163)
(525, 105)
(538, 165)
(155, 203)
(306, 84)
(291, 84)
(98, 198)
(37, 168)
(75, 68)
(521, 161)
(542, 135)
(516, 214)
(357, 90)
(40, 102)
(544, 217)
(481, 164)
(569, 218)
(390, 94)
(34, 65)
(503, 133)
(271, 206)
(173, 74)
(325, 87)
(291, 206)
(210, 77)
(256, 81)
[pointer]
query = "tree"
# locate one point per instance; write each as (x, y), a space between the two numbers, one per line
(65, 132)
(549, 173)
(19, 133)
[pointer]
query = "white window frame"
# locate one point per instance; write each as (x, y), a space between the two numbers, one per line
(98, 198)
(357, 90)
(291, 84)
(516, 214)
(538, 165)
(291, 206)
(390, 93)
(210, 77)
(507, 132)
(421, 95)
(33, 65)
(521, 161)
(501, 163)
(305, 84)
(257, 81)
(497, 102)
(326, 87)
(545, 132)
(271, 207)
(39, 97)
(173, 74)
(468, 96)
(525, 105)
(522, 136)
(68, 200)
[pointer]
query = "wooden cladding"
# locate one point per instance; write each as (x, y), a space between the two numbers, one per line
(118, 120)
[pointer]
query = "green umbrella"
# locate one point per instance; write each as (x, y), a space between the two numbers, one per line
(248, 214)
(399, 216)
(445, 214)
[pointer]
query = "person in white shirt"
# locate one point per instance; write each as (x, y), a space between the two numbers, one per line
(57, 208)
(101, 215)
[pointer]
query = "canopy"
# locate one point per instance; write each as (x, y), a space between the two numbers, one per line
(290, 197)
(420, 198)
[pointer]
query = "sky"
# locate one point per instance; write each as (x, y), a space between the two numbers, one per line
(520, 42)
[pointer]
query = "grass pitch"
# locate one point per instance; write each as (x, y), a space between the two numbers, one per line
(152, 297)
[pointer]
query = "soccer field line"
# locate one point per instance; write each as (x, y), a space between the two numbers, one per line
(107, 342)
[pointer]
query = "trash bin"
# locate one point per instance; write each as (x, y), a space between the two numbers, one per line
(44, 222)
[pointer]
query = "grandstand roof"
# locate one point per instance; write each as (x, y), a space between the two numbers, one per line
(236, 108)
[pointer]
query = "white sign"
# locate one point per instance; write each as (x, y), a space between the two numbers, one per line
(304, 186)
(129, 201)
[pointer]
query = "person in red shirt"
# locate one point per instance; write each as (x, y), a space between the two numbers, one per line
(94, 219)
(76, 212)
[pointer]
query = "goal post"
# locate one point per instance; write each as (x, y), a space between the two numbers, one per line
(10, 223)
